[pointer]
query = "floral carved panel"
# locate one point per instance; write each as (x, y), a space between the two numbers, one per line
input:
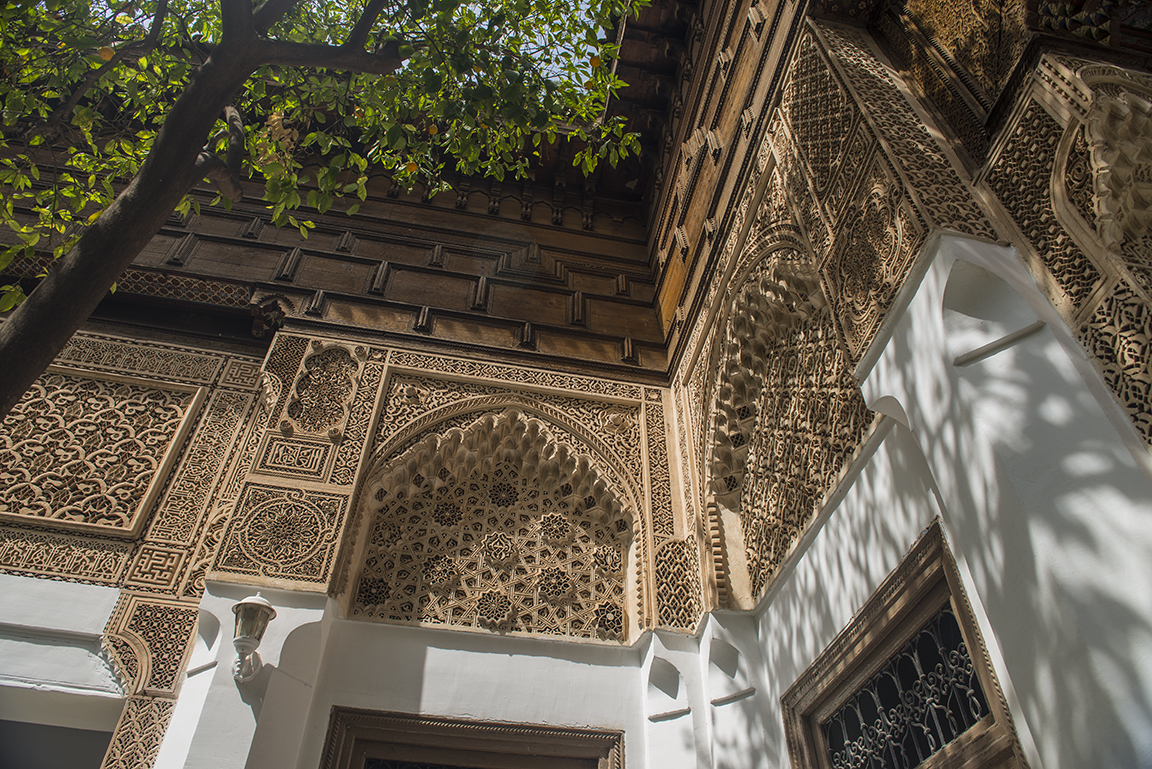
(871, 259)
(91, 453)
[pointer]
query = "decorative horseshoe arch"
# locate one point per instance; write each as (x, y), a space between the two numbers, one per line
(496, 525)
(783, 416)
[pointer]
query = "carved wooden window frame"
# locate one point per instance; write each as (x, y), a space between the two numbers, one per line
(356, 736)
(924, 583)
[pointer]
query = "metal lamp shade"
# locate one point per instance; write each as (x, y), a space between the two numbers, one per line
(252, 617)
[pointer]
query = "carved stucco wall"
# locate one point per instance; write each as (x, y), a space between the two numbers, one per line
(496, 524)
(1072, 175)
(613, 440)
(118, 468)
(856, 179)
(855, 184)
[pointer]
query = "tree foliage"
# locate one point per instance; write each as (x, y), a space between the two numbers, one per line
(322, 95)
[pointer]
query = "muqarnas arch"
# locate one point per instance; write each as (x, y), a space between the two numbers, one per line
(786, 417)
(495, 525)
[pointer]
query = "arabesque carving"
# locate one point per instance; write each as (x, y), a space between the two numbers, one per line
(1019, 177)
(282, 533)
(495, 525)
(139, 732)
(319, 400)
(770, 301)
(78, 450)
(1119, 335)
(150, 637)
(787, 414)
(871, 257)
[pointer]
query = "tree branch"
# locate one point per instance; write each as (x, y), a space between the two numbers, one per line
(235, 153)
(269, 12)
(364, 24)
(235, 20)
(225, 174)
(93, 76)
(217, 171)
(285, 54)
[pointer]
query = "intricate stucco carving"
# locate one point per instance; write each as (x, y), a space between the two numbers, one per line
(280, 369)
(931, 180)
(787, 414)
(176, 364)
(89, 452)
(872, 256)
(527, 376)
(1075, 173)
(1020, 178)
(181, 509)
(496, 525)
(1119, 138)
(62, 556)
(1119, 335)
(323, 389)
(282, 534)
(676, 570)
(128, 432)
(149, 638)
(677, 573)
(414, 401)
(819, 113)
(1078, 178)
(139, 732)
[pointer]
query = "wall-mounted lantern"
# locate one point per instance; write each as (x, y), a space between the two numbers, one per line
(252, 617)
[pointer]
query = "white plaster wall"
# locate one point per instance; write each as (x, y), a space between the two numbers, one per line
(886, 508)
(210, 634)
(1049, 504)
(224, 730)
(476, 676)
(1046, 499)
(51, 667)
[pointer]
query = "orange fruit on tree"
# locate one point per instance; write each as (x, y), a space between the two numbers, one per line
(107, 53)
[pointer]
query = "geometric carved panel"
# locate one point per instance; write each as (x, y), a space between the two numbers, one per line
(138, 735)
(286, 456)
(1118, 335)
(90, 453)
(282, 534)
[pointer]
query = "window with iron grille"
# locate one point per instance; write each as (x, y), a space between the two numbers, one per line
(907, 684)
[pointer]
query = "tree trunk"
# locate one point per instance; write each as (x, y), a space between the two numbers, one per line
(40, 327)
